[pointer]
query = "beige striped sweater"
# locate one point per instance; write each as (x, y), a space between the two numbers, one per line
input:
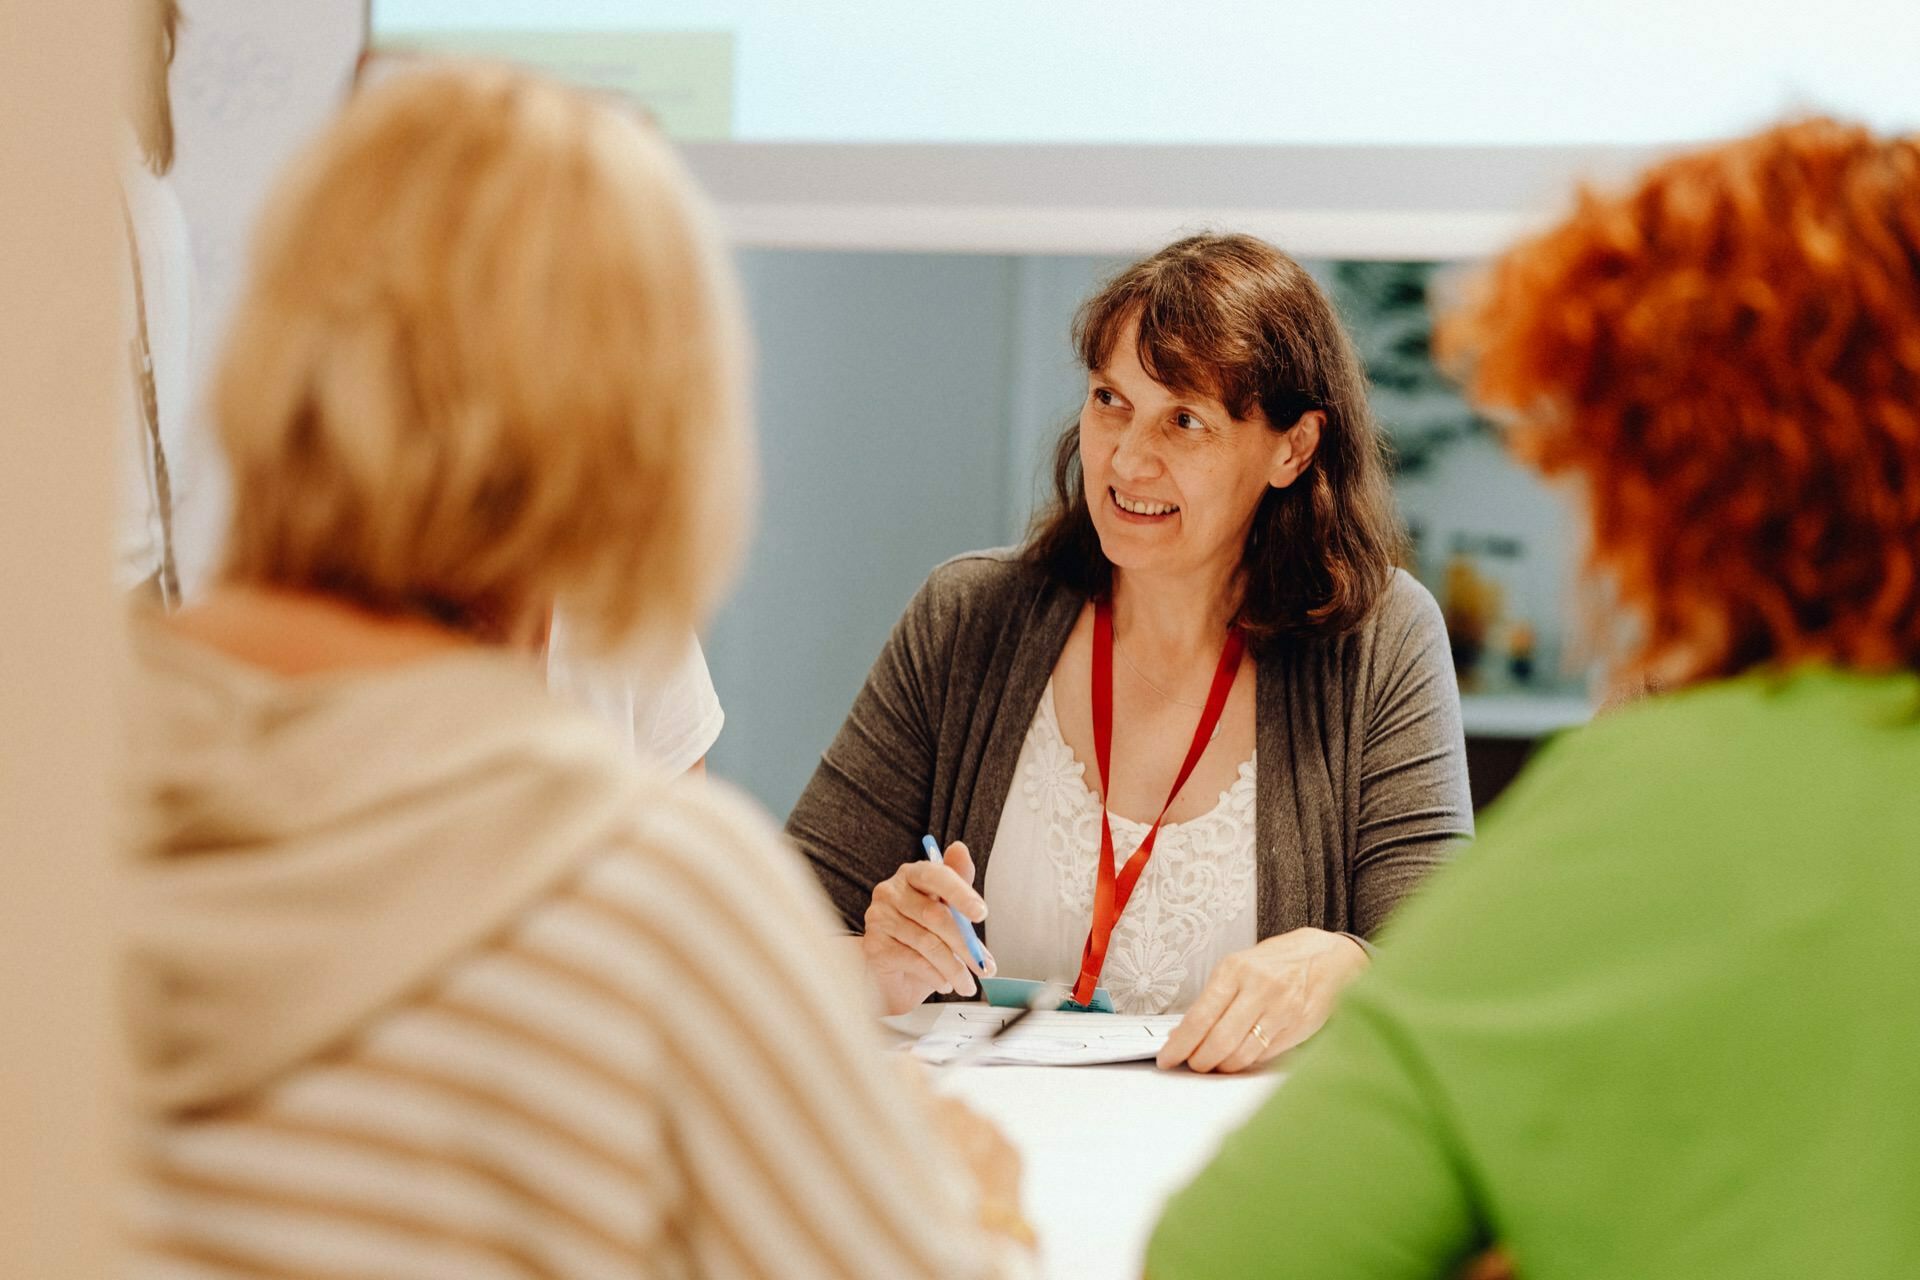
(386, 1032)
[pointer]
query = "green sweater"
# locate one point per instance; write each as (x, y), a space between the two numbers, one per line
(1662, 1021)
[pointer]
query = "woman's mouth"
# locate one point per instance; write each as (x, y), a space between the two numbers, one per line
(1141, 510)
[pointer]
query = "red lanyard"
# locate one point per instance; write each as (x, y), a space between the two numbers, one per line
(1111, 892)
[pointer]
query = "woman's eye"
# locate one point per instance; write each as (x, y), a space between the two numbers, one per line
(1102, 396)
(1187, 422)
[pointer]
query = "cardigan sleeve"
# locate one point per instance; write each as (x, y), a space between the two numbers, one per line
(1414, 806)
(866, 807)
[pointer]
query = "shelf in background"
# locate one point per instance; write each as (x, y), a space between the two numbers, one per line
(1522, 715)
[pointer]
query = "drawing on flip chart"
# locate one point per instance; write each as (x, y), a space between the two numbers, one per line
(1044, 1039)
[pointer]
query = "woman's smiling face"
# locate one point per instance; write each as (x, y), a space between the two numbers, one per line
(1173, 479)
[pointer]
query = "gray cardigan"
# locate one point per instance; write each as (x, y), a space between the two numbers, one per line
(1362, 782)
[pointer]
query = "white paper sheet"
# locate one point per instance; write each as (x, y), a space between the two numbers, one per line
(1046, 1039)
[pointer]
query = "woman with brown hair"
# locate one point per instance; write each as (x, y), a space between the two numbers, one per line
(1664, 1020)
(1210, 617)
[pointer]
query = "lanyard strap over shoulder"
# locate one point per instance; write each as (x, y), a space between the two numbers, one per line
(1112, 889)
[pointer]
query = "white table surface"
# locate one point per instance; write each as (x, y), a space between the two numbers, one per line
(1102, 1147)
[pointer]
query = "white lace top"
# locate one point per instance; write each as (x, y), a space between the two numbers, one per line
(1193, 906)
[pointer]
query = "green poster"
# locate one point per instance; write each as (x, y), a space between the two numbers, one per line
(683, 79)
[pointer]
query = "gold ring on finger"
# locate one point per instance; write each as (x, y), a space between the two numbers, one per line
(1261, 1036)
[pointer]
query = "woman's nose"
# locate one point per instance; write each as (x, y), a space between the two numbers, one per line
(1133, 452)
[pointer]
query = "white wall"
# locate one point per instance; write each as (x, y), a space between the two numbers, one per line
(252, 81)
(1343, 73)
(1048, 382)
(882, 396)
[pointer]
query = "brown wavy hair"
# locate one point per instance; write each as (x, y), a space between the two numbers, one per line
(1728, 357)
(1234, 318)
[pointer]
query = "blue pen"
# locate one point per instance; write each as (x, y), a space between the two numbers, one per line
(978, 952)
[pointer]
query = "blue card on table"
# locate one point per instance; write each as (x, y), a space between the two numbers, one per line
(1018, 993)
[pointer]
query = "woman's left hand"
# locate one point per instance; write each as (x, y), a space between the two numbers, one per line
(1263, 1001)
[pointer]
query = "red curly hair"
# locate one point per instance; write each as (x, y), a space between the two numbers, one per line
(1728, 358)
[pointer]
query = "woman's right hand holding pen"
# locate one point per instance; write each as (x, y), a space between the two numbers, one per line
(912, 946)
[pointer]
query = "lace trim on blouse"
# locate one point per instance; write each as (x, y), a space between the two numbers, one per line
(1197, 886)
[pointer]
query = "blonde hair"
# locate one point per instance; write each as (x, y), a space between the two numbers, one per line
(489, 362)
(156, 33)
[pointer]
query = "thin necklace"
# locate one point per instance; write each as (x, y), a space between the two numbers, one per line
(1195, 706)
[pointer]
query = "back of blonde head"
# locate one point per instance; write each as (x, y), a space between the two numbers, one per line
(489, 362)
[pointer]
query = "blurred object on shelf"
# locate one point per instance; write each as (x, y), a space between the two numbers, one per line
(1472, 607)
(1520, 651)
